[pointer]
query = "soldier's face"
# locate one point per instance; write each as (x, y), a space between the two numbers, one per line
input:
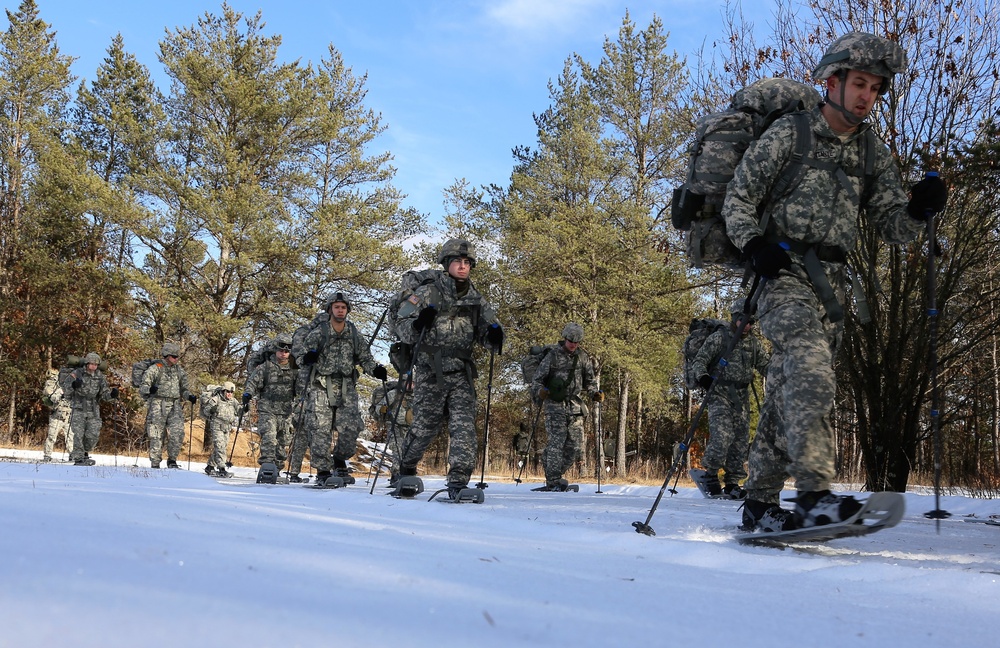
(281, 355)
(338, 311)
(860, 91)
(460, 268)
(571, 346)
(171, 360)
(91, 367)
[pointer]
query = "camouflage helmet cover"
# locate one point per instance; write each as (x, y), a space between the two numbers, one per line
(338, 296)
(92, 358)
(863, 52)
(283, 341)
(170, 349)
(573, 332)
(736, 309)
(457, 248)
(228, 386)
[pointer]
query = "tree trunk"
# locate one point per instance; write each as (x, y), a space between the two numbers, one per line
(625, 383)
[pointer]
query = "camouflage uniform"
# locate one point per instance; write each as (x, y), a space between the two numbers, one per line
(273, 385)
(223, 413)
(444, 374)
(165, 412)
(729, 407)
(299, 432)
(564, 419)
(85, 418)
(58, 417)
(332, 396)
(385, 402)
(794, 436)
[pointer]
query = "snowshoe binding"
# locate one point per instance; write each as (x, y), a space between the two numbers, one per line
(267, 474)
(327, 480)
(344, 474)
(880, 511)
(407, 487)
(560, 486)
(459, 493)
(707, 483)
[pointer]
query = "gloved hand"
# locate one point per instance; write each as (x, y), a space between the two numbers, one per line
(494, 336)
(425, 318)
(114, 393)
(245, 408)
(152, 389)
(705, 381)
(766, 259)
(543, 393)
(192, 399)
(246, 398)
(380, 372)
(927, 197)
(597, 396)
(310, 357)
(77, 384)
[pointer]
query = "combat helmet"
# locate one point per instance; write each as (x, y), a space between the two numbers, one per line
(338, 296)
(170, 349)
(284, 341)
(456, 248)
(92, 358)
(228, 386)
(865, 53)
(573, 332)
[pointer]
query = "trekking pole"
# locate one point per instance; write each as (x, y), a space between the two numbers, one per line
(390, 432)
(938, 513)
(600, 447)
(405, 381)
(190, 435)
(748, 307)
(486, 424)
(531, 437)
(239, 426)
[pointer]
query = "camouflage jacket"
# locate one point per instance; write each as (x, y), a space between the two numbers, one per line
(53, 391)
(749, 355)
(94, 388)
(461, 322)
(273, 385)
(223, 412)
(171, 382)
(340, 353)
(385, 401)
(558, 365)
(820, 209)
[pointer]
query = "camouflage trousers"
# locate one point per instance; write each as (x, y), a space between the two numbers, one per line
(275, 435)
(453, 402)
(219, 431)
(58, 424)
(564, 445)
(301, 440)
(85, 426)
(794, 435)
(323, 420)
(394, 438)
(729, 433)
(165, 417)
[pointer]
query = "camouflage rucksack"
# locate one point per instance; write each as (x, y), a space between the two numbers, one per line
(698, 331)
(530, 362)
(205, 400)
(139, 369)
(401, 305)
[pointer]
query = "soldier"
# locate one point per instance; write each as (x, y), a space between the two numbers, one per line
(223, 411)
(53, 396)
(336, 348)
(561, 376)
(85, 388)
(447, 316)
(810, 230)
(729, 406)
(165, 384)
(272, 383)
(385, 403)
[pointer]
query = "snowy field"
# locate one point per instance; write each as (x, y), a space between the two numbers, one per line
(123, 556)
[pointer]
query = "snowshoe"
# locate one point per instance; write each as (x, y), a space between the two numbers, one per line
(328, 480)
(880, 511)
(86, 461)
(291, 478)
(171, 463)
(461, 494)
(707, 483)
(734, 492)
(408, 487)
(267, 474)
(345, 475)
(561, 486)
(222, 472)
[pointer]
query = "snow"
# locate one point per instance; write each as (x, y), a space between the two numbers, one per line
(117, 555)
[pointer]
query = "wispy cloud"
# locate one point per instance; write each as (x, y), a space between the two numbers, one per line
(542, 15)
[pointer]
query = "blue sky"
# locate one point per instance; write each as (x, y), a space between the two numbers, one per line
(456, 81)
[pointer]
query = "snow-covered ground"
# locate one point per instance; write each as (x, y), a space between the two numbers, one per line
(124, 556)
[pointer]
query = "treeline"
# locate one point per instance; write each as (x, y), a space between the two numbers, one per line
(217, 213)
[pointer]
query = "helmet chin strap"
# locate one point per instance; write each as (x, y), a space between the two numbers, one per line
(851, 118)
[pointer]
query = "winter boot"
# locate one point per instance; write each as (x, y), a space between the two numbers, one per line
(733, 491)
(172, 463)
(294, 479)
(222, 472)
(817, 508)
(321, 477)
(763, 516)
(47, 458)
(154, 464)
(209, 470)
(341, 470)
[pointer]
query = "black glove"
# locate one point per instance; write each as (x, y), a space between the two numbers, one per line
(114, 393)
(543, 393)
(380, 372)
(597, 396)
(77, 384)
(766, 259)
(246, 398)
(245, 408)
(705, 381)
(494, 336)
(192, 399)
(152, 389)
(927, 197)
(310, 357)
(425, 319)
